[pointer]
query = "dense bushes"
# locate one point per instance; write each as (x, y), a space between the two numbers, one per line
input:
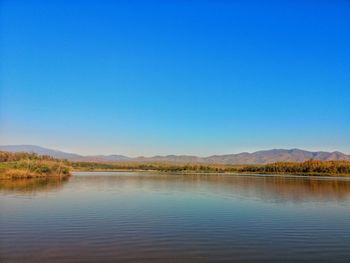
(28, 165)
(307, 167)
(166, 167)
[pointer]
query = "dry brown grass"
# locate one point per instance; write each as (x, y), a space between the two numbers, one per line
(27, 165)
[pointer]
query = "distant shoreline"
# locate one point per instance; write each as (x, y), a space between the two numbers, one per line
(324, 176)
(310, 168)
(30, 165)
(211, 172)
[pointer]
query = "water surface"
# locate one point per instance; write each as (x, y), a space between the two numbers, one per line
(152, 217)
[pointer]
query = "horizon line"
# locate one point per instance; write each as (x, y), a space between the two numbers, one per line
(165, 155)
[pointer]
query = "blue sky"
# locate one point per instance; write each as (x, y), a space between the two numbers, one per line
(175, 77)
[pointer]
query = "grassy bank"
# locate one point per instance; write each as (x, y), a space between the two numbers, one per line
(311, 167)
(28, 165)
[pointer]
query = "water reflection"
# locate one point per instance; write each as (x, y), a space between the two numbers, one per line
(33, 185)
(154, 217)
(272, 188)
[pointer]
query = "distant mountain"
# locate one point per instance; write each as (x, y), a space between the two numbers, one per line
(40, 150)
(260, 157)
(276, 155)
(63, 155)
(104, 158)
(170, 158)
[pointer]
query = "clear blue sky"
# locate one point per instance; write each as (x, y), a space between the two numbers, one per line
(175, 77)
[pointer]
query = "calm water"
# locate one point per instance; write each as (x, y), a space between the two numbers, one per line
(134, 217)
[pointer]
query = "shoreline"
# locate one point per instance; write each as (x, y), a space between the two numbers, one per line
(29, 165)
(20, 176)
(216, 173)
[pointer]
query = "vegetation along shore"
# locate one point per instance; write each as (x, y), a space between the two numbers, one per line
(310, 167)
(30, 165)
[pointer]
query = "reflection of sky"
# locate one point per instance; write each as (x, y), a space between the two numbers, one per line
(209, 213)
(160, 190)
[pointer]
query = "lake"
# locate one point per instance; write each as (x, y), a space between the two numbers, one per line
(155, 217)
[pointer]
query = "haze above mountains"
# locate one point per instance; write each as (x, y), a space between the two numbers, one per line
(259, 157)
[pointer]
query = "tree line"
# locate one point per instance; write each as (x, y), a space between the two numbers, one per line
(42, 164)
(307, 167)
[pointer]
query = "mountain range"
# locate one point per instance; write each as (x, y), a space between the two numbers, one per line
(259, 157)
(63, 155)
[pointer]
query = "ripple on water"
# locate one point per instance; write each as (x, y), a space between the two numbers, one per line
(135, 217)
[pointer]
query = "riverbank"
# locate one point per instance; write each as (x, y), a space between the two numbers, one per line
(28, 165)
(311, 168)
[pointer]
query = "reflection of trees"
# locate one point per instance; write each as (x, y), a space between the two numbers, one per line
(282, 188)
(32, 185)
(286, 188)
(274, 188)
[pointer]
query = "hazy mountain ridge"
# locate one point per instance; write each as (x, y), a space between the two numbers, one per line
(63, 155)
(40, 150)
(259, 157)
